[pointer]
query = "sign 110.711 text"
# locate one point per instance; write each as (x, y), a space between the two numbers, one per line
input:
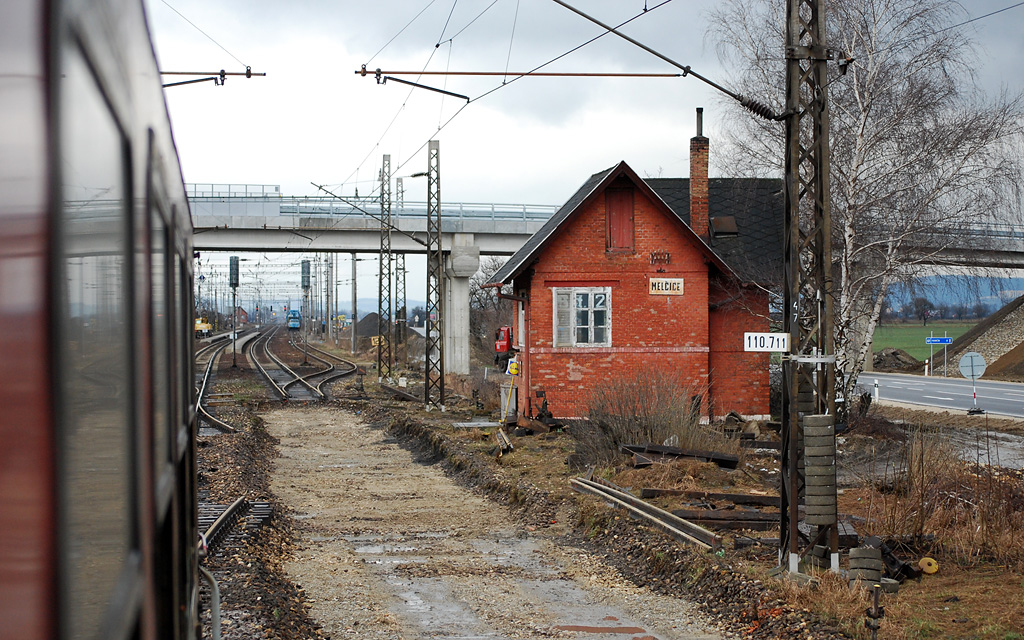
(765, 341)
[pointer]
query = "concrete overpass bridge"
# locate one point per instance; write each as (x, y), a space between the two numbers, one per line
(258, 218)
(995, 244)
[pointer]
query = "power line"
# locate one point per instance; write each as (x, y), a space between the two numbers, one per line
(405, 102)
(754, 106)
(204, 33)
(445, 27)
(457, 33)
(573, 50)
(400, 31)
(512, 37)
(950, 27)
(504, 83)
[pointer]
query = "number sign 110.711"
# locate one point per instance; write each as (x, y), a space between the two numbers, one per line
(765, 341)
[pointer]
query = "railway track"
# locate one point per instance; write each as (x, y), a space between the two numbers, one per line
(333, 371)
(226, 529)
(205, 358)
(285, 381)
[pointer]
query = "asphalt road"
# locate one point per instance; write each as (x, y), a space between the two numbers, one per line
(1002, 398)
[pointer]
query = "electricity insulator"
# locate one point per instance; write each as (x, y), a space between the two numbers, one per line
(758, 108)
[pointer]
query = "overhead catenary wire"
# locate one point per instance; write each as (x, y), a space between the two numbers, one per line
(400, 31)
(537, 74)
(205, 34)
(574, 49)
(468, 24)
(904, 45)
(405, 102)
(754, 106)
(511, 38)
(364, 211)
(505, 84)
(445, 27)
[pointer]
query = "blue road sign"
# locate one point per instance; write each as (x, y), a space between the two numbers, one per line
(938, 340)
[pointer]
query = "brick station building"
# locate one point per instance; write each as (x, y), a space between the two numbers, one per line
(658, 272)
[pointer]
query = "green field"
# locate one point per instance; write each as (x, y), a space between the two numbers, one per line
(910, 337)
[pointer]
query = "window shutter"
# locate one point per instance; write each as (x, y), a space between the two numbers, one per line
(563, 318)
(619, 212)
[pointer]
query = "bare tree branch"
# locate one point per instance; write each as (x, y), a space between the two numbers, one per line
(919, 154)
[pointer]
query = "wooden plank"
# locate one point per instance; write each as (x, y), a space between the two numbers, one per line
(725, 460)
(401, 395)
(476, 425)
(750, 525)
(761, 444)
(641, 461)
(725, 514)
(735, 498)
(535, 426)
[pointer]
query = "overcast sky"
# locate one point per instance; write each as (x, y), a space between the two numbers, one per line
(534, 140)
(312, 119)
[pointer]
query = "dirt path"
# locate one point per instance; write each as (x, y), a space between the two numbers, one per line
(391, 548)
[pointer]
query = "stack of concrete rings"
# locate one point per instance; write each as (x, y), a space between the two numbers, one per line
(866, 565)
(820, 469)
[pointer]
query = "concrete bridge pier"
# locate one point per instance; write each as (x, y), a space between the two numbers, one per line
(462, 263)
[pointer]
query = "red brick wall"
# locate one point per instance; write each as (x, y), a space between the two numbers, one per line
(669, 332)
(699, 186)
(661, 331)
(739, 379)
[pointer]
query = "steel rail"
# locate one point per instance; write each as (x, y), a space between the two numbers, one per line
(297, 378)
(682, 530)
(334, 376)
(201, 390)
(264, 338)
(309, 376)
(222, 524)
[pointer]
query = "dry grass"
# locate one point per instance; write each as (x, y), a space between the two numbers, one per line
(650, 406)
(833, 599)
(973, 511)
(476, 387)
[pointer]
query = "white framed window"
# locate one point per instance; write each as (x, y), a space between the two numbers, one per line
(582, 316)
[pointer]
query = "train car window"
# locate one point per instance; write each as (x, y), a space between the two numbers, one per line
(161, 343)
(94, 356)
(182, 318)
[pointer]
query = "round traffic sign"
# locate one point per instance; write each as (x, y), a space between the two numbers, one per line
(972, 365)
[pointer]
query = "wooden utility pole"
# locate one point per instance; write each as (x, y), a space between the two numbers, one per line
(808, 387)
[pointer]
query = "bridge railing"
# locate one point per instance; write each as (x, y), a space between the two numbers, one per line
(196, 190)
(330, 206)
(473, 210)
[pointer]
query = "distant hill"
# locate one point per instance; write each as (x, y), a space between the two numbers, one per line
(952, 291)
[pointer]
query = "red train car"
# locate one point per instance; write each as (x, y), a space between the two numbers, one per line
(97, 446)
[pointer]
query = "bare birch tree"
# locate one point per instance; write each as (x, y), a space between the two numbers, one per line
(919, 155)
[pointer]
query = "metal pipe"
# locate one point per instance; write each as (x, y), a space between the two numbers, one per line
(549, 74)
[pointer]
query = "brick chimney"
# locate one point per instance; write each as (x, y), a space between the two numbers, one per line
(699, 179)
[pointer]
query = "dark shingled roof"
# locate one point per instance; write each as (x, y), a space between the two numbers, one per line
(756, 204)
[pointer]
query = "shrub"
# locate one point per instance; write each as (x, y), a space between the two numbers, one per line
(650, 406)
(973, 510)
